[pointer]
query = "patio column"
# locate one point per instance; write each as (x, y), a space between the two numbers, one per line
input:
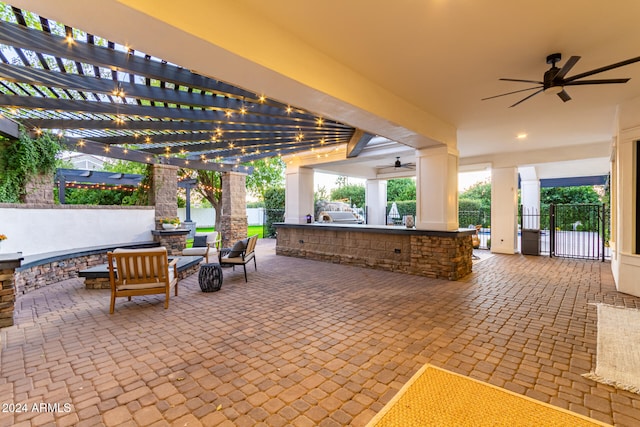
(8, 265)
(625, 200)
(376, 201)
(437, 189)
(164, 194)
(233, 218)
(39, 189)
(298, 199)
(504, 210)
(530, 197)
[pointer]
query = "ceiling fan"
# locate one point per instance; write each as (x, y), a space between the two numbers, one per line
(398, 165)
(554, 79)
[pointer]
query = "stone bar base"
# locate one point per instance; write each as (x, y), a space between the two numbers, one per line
(8, 265)
(437, 254)
(174, 240)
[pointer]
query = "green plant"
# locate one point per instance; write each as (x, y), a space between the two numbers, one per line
(170, 220)
(22, 159)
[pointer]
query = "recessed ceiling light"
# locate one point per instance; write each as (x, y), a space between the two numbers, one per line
(521, 136)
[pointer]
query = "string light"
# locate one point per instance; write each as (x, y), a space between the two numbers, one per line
(118, 91)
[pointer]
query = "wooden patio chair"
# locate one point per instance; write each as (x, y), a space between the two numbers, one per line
(204, 244)
(134, 272)
(241, 253)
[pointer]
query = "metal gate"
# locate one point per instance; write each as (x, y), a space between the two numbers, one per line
(567, 231)
(579, 231)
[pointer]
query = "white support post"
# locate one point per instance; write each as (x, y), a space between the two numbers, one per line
(530, 197)
(298, 194)
(504, 210)
(376, 201)
(437, 189)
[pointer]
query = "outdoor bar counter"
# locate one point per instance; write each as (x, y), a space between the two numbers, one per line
(439, 254)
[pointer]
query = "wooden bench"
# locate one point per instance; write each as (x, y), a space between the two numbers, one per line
(98, 277)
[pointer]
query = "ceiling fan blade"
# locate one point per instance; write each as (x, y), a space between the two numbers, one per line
(596, 82)
(509, 93)
(523, 81)
(567, 66)
(524, 99)
(602, 69)
(564, 96)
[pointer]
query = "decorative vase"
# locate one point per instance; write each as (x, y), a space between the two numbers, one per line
(169, 226)
(409, 221)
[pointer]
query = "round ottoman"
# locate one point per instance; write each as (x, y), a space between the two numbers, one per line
(210, 277)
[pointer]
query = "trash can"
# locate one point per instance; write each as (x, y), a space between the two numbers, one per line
(530, 240)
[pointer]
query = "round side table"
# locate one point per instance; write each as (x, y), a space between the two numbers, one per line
(210, 277)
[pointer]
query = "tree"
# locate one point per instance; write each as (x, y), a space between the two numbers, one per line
(274, 201)
(350, 193)
(569, 195)
(210, 187)
(401, 189)
(267, 173)
(479, 191)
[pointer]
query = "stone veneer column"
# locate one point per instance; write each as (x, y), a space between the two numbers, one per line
(164, 192)
(8, 265)
(39, 189)
(233, 218)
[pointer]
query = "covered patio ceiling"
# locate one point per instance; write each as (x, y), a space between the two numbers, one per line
(106, 99)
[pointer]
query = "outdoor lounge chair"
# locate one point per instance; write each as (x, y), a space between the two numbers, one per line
(242, 252)
(134, 272)
(204, 244)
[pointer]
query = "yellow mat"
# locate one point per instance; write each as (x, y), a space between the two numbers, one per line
(436, 397)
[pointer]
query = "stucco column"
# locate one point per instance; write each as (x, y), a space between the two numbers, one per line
(530, 197)
(437, 189)
(164, 192)
(504, 210)
(298, 199)
(625, 197)
(233, 219)
(376, 201)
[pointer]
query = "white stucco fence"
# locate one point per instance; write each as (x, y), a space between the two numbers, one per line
(206, 217)
(40, 230)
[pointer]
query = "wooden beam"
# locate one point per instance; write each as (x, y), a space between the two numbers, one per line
(358, 141)
(89, 147)
(9, 128)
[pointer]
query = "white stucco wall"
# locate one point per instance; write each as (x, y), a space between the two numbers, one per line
(40, 230)
(206, 217)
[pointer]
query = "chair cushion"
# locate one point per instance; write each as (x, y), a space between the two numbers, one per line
(237, 249)
(197, 251)
(200, 241)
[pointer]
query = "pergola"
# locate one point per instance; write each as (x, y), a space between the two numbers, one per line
(106, 99)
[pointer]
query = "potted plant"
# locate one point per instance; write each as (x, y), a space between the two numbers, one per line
(170, 223)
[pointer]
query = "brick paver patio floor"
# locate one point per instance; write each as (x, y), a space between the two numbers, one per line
(306, 343)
